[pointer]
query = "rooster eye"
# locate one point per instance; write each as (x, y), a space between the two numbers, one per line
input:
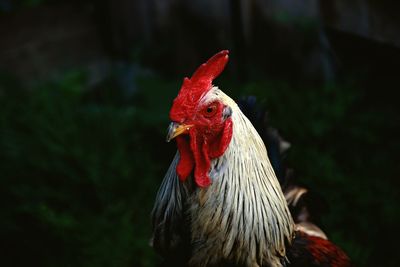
(210, 110)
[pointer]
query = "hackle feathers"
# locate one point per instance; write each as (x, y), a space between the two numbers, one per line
(241, 217)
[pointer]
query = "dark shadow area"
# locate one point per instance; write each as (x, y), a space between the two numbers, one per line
(85, 92)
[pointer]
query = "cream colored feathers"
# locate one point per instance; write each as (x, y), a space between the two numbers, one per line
(242, 216)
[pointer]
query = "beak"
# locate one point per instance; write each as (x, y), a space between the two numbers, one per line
(176, 129)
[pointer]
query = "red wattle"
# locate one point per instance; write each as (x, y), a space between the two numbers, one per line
(186, 161)
(199, 151)
(202, 162)
(201, 159)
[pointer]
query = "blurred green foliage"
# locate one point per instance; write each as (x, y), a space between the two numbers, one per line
(80, 166)
(79, 170)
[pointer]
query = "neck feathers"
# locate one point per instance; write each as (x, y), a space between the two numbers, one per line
(244, 210)
(241, 217)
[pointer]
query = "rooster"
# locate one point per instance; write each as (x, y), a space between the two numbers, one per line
(220, 203)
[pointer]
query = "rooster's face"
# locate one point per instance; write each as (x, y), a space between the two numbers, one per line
(201, 121)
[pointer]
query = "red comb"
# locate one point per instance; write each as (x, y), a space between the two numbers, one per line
(210, 70)
(194, 88)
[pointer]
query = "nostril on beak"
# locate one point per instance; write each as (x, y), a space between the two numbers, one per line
(176, 129)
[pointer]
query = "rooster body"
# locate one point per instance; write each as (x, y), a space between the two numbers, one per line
(220, 203)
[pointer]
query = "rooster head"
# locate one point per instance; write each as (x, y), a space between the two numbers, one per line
(201, 121)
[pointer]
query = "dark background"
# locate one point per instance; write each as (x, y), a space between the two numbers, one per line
(85, 90)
